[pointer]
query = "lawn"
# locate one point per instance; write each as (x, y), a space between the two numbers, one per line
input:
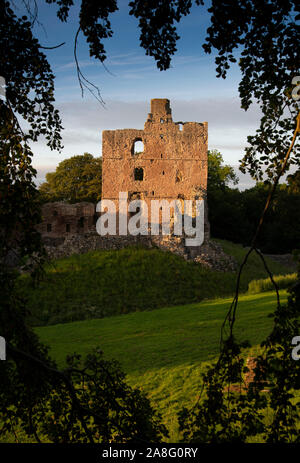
(163, 351)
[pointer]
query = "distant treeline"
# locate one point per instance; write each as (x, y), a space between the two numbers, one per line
(234, 216)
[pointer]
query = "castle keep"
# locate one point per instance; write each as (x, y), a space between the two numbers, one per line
(166, 160)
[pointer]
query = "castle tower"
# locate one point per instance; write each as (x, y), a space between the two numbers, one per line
(166, 160)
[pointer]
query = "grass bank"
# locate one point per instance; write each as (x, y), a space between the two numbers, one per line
(104, 283)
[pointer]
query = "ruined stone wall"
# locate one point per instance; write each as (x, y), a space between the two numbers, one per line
(211, 254)
(172, 165)
(61, 219)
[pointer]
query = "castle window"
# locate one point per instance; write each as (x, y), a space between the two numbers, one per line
(137, 147)
(161, 120)
(68, 227)
(152, 193)
(161, 156)
(180, 127)
(55, 213)
(49, 227)
(81, 222)
(139, 174)
(161, 136)
(163, 172)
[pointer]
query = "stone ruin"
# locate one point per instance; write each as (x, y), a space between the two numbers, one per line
(165, 160)
(62, 220)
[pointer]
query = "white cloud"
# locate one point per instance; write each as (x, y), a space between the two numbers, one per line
(84, 121)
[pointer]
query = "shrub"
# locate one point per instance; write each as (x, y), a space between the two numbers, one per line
(282, 281)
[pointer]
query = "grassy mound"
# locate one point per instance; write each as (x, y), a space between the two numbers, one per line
(104, 283)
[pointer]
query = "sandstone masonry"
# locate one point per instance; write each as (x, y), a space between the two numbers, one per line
(167, 160)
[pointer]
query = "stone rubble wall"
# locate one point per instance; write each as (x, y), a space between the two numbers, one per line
(210, 254)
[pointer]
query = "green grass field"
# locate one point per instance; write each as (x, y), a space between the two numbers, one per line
(104, 283)
(163, 351)
(167, 316)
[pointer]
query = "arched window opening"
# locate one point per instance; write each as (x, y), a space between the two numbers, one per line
(68, 228)
(49, 227)
(81, 222)
(137, 147)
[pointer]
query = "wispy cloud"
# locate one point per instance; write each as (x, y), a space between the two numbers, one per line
(126, 59)
(84, 121)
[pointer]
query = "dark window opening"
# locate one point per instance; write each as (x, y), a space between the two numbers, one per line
(161, 136)
(49, 227)
(152, 193)
(163, 172)
(161, 156)
(81, 222)
(68, 227)
(139, 174)
(55, 213)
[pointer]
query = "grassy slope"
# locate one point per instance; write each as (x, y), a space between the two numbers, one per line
(103, 283)
(163, 351)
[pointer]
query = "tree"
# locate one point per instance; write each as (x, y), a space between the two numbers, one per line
(265, 35)
(78, 178)
(32, 389)
(293, 181)
(224, 208)
(218, 175)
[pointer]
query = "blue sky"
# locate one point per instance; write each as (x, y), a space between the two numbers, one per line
(133, 79)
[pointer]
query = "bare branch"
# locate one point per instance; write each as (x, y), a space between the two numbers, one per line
(83, 81)
(52, 48)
